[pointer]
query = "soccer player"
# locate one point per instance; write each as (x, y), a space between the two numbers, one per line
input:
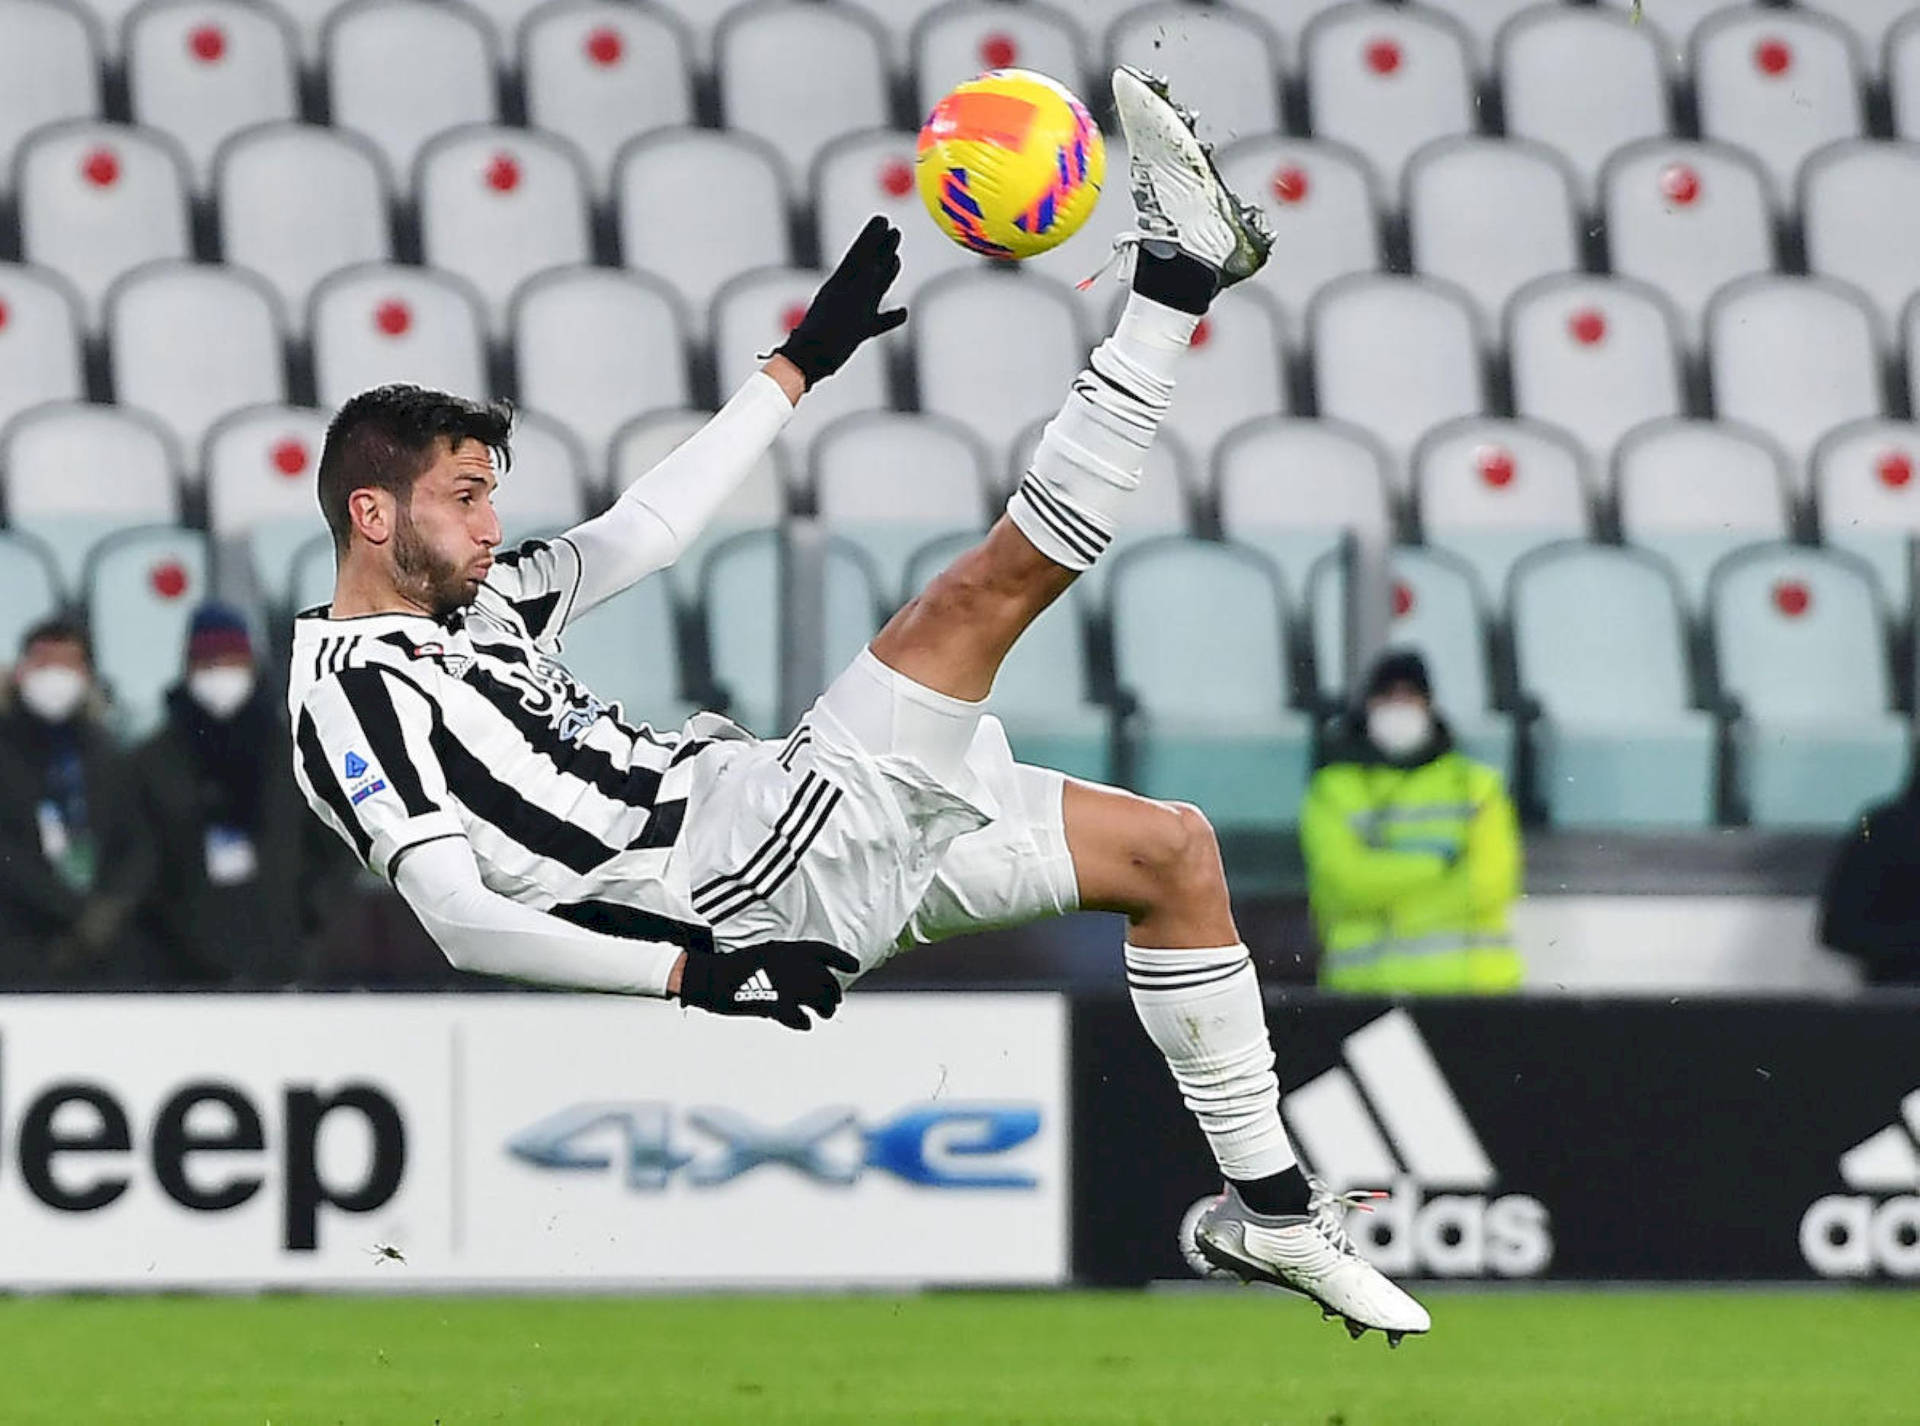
(538, 836)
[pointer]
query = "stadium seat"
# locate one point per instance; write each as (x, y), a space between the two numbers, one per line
(75, 474)
(897, 20)
(97, 201)
(700, 19)
(1490, 216)
(1292, 489)
(1584, 82)
(1320, 200)
(1598, 648)
(1483, 21)
(1227, 61)
(29, 589)
(260, 468)
(1860, 206)
(108, 22)
(1042, 694)
(1491, 492)
(864, 174)
(1674, 21)
(191, 344)
(1869, 22)
(308, 19)
(963, 38)
(49, 72)
(203, 70)
(628, 652)
(1396, 356)
(545, 490)
(313, 572)
(1234, 370)
(1779, 85)
(1435, 608)
(1903, 77)
(40, 355)
(498, 206)
(1210, 721)
(1794, 357)
(1693, 492)
(142, 588)
(1687, 219)
(505, 18)
(1287, 19)
(1386, 81)
(699, 208)
(995, 351)
(892, 483)
(1096, 18)
(1798, 639)
(381, 89)
(297, 203)
(1595, 356)
(1869, 503)
(753, 314)
(800, 75)
(599, 73)
(379, 323)
(595, 347)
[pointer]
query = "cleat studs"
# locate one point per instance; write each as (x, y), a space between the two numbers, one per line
(1327, 1314)
(1394, 1339)
(1355, 1330)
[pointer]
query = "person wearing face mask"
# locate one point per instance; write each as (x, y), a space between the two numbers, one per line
(243, 872)
(1412, 850)
(73, 860)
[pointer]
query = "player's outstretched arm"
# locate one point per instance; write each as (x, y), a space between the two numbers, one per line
(661, 514)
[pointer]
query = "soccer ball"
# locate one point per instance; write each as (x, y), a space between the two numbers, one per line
(1010, 164)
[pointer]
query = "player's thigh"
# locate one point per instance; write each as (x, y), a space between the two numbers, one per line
(1014, 870)
(1131, 853)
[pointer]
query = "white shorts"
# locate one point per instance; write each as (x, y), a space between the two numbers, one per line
(891, 817)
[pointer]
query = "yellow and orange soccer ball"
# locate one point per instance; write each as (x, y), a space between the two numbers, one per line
(1010, 164)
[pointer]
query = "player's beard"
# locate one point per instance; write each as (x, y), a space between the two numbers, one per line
(439, 586)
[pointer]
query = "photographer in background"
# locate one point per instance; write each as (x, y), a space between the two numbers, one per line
(243, 871)
(73, 860)
(1412, 850)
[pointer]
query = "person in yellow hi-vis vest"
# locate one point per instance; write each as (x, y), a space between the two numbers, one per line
(1412, 850)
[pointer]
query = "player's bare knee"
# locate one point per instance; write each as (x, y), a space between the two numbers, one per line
(1177, 852)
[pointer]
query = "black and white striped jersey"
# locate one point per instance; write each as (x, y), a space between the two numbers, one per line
(408, 729)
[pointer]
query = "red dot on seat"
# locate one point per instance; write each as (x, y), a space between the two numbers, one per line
(1290, 184)
(1792, 598)
(1202, 333)
(1895, 469)
(4, 315)
(1495, 465)
(208, 43)
(503, 174)
(999, 51)
(101, 168)
(290, 456)
(605, 47)
(1588, 326)
(168, 578)
(792, 316)
(1383, 56)
(1680, 183)
(1772, 57)
(1402, 599)
(393, 317)
(896, 178)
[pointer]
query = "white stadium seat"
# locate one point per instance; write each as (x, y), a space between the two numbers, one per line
(700, 19)
(1491, 492)
(381, 323)
(892, 483)
(1674, 21)
(1320, 200)
(203, 70)
(699, 207)
(1595, 356)
(40, 351)
(599, 73)
(1866, 479)
(898, 19)
(1386, 81)
(298, 203)
(97, 201)
(1292, 489)
(48, 72)
(1483, 21)
(800, 75)
(383, 87)
(870, 173)
(1794, 357)
(109, 22)
(545, 490)
(1584, 82)
(1860, 207)
(1396, 356)
(1096, 18)
(1221, 64)
(1687, 219)
(964, 38)
(1780, 85)
(75, 474)
(1490, 216)
(757, 502)
(29, 587)
(309, 20)
(260, 468)
(596, 347)
(498, 206)
(505, 18)
(191, 344)
(1903, 77)
(1234, 370)
(1287, 19)
(1693, 492)
(142, 590)
(1870, 22)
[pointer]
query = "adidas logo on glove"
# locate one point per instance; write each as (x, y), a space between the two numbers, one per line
(755, 987)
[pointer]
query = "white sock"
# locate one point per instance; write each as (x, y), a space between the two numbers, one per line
(1091, 454)
(1203, 1010)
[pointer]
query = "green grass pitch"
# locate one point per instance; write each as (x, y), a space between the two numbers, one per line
(1210, 1359)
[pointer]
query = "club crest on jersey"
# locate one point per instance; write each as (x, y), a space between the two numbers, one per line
(548, 691)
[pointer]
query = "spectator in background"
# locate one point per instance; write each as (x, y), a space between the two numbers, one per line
(73, 860)
(1870, 909)
(1412, 850)
(243, 871)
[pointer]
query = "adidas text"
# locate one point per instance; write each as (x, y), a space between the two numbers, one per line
(1876, 1229)
(1454, 1234)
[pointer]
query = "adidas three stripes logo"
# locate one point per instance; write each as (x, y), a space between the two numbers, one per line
(777, 857)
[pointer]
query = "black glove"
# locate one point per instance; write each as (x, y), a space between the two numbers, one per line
(846, 309)
(772, 980)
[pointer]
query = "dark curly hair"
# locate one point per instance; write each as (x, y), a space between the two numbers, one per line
(387, 437)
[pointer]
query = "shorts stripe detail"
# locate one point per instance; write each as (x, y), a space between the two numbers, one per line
(777, 858)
